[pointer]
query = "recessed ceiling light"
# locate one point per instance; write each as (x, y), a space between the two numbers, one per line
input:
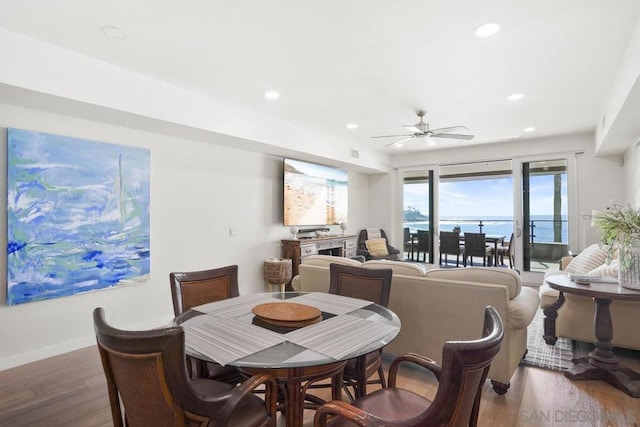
(530, 129)
(114, 32)
(271, 95)
(399, 145)
(352, 126)
(515, 97)
(487, 30)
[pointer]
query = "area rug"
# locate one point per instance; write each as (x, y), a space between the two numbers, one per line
(541, 355)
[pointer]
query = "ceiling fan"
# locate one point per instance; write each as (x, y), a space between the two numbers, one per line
(421, 130)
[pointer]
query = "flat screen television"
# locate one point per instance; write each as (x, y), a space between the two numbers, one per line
(314, 194)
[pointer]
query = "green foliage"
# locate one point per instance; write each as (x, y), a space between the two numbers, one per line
(619, 225)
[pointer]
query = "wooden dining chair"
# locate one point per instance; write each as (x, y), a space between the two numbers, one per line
(148, 384)
(372, 285)
(450, 245)
(475, 244)
(193, 288)
(465, 365)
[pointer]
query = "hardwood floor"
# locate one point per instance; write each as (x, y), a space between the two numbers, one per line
(70, 390)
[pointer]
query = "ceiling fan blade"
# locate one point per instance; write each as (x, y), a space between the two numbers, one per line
(391, 136)
(399, 142)
(449, 129)
(412, 128)
(452, 136)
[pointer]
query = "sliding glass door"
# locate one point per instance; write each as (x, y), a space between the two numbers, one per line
(523, 201)
(417, 215)
(545, 219)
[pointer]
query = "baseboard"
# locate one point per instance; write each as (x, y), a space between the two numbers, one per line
(67, 346)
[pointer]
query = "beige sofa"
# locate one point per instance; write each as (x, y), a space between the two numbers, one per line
(440, 305)
(572, 317)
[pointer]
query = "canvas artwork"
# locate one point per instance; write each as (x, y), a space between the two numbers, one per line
(77, 216)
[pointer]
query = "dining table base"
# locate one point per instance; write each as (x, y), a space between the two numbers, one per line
(294, 383)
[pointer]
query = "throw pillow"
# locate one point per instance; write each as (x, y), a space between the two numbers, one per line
(377, 247)
(589, 259)
(611, 269)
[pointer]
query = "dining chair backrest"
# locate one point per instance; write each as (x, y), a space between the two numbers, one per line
(423, 246)
(475, 244)
(194, 288)
(423, 240)
(464, 369)
(148, 385)
(363, 283)
(406, 235)
(450, 242)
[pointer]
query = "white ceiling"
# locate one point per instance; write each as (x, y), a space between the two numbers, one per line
(370, 62)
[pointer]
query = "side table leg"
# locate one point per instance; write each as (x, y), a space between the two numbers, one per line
(550, 316)
(602, 363)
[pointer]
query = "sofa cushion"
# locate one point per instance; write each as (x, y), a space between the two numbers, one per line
(325, 260)
(610, 269)
(398, 267)
(377, 247)
(491, 275)
(589, 259)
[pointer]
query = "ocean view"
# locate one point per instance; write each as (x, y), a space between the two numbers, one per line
(543, 230)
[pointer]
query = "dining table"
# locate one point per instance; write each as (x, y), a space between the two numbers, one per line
(229, 332)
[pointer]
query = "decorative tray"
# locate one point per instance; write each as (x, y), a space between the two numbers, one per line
(287, 314)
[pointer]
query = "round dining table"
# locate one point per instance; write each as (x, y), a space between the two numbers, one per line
(228, 332)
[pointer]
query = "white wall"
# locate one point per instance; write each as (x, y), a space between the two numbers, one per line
(198, 191)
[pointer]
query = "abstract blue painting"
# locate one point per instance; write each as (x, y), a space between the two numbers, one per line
(77, 216)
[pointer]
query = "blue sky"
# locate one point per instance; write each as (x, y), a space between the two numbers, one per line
(486, 198)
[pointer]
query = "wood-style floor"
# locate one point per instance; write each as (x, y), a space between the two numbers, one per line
(70, 390)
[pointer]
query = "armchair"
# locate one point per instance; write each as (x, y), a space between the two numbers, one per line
(457, 401)
(148, 384)
(373, 244)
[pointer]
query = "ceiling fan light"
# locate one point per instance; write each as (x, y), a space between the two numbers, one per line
(487, 30)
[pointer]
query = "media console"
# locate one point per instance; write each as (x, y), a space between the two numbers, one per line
(298, 249)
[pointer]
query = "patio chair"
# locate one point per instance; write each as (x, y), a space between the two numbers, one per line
(423, 246)
(475, 244)
(450, 245)
(508, 251)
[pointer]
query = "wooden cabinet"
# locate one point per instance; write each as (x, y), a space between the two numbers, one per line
(298, 249)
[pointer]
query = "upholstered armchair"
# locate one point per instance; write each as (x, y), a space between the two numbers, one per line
(373, 244)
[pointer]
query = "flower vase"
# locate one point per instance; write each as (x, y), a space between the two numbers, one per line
(629, 275)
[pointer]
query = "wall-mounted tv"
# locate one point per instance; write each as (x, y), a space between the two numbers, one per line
(314, 194)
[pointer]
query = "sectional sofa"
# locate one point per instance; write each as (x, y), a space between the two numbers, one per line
(439, 305)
